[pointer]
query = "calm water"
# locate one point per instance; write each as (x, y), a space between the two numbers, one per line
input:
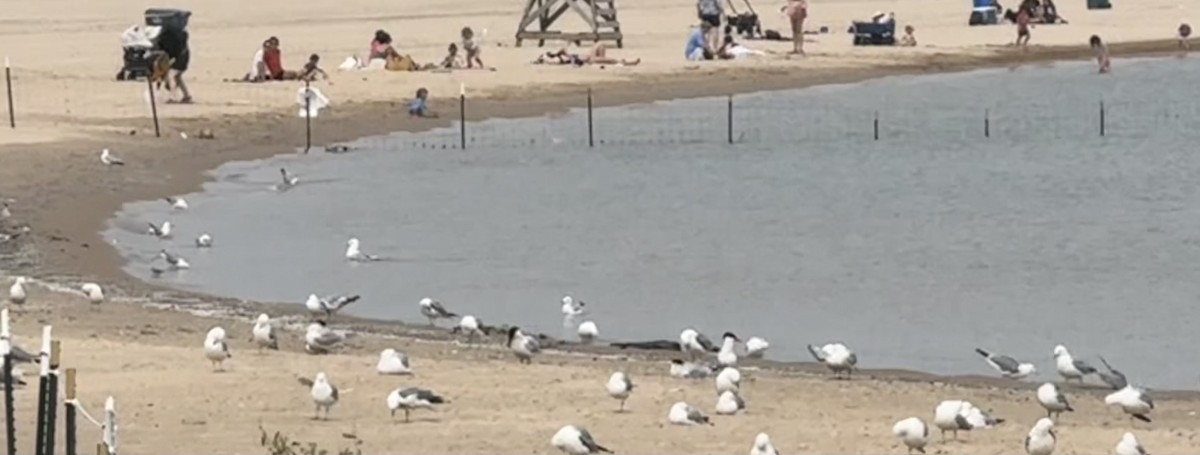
(913, 250)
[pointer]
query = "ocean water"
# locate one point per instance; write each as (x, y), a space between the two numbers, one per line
(913, 249)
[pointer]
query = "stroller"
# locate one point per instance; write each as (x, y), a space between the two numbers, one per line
(746, 23)
(139, 44)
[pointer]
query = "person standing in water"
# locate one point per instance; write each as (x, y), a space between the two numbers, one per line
(1101, 52)
(1023, 18)
(1185, 34)
(796, 11)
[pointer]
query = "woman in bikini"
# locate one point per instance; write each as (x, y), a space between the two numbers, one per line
(797, 11)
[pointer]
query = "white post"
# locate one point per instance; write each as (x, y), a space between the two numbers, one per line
(6, 65)
(5, 335)
(462, 88)
(45, 355)
(110, 425)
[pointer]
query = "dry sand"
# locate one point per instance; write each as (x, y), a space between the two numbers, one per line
(68, 107)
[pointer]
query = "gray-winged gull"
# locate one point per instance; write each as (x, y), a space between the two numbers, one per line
(263, 333)
(522, 345)
(1008, 366)
(620, 387)
(1053, 400)
(1070, 368)
(412, 398)
(574, 440)
(913, 433)
(433, 310)
(1041, 438)
(324, 394)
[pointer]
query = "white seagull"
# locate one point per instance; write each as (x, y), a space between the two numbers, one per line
(93, 292)
(726, 357)
(109, 159)
(319, 339)
(1129, 445)
(1068, 367)
(1133, 401)
(913, 432)
(353, 253)
(837, 357)
(393, 362)
(763, 446)
(756, 347)
(955, 415)
(620, 387)
(16, 293)
(163, 232)
(682, 414)
(324, 394)
(263, 333)
(288, 179)
(472, 327)
(694, 342)
(574, 440)
(588, 332)
(412, 398)
(730, 403)
(176, 262)
(328, 305)
(689, 370)
(522, 345)
(1041, 439)
(215, 348)
(571, 308)
(433, 310)
(1053, 400)
(1007, 366)
(729, 380)
(4, 211)
(177, 203)
(204, 241)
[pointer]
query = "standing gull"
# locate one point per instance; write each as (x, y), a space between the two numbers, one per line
(763, 446)
(433, 310)
(689, 370)
(682, 414)
(726, 357)
(472, 327)
(522, 345)
(620, 387)
(955, 415)
(913, 432)
(204, 241)
(1113, 378)
(163, 232)
(324, 394)
(177, 203)
(353, 253)
(1007, 366)
(16, 293)
(587, 332)
(756, 347)
(572, 308)
(1041, 438)
(176, 262)
(412, 398)
(574, 440)
(93, 292)
(215, 348)
(1068, 367)
(730, 403)
(1129, 445)
(263, 333)
(1053, 400)
(109, 159)
(837, 357)
(1133, 401)
(4, 211)
(393, 362)
(728, 380)
(328, 305)
(693, 342)
(319, 339)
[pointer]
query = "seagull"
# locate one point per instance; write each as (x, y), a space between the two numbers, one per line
(288, 179)
(574, 440)
(1007, 366)
(730, 403)
(204, 241)
(393, 362)
(215, 348)
(571, 308)
(689, 370)
(913, 432)
(682, 414)
(588, 332)
(16, 293)
(93, 292)
(412, 398)
(328, 305)
(1129, 445)
(1115, 379)
(1041, 438)
(356, 255)
(694, 342)
(163, 232)
(763, 446)
(1133, 401)
(726, 357)
(324, 394)
(177, 203)
(728, 380)
(955, 415)
(176, 262)
(1068, 367)
(523, 346)
(319, 339)
(471, 326)
(4, 211)
(756, 347)
(837, 357)
(109, 159)
(433, 310)
(263, 333)
(619, 386)
(1053, 400)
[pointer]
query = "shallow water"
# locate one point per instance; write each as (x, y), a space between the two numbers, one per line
(913, 249)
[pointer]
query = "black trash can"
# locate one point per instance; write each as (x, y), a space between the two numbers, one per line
(174, 19)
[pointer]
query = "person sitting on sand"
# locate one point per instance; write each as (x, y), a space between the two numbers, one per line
(273, 60)
(1185, 34)
(597, 56)
(908, 40)
(731, 50)
(1101, 52)
(452, 60)
(697, 47)
(312, 69)
(1050, 13)
(471, 48)
(258, 68)
(417, 107)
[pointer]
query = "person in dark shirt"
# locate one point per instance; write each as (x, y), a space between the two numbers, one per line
(175, 44)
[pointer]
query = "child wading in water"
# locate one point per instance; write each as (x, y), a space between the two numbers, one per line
(1101, 52)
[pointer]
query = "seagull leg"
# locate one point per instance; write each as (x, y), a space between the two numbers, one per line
(406, 412)
(317, 413)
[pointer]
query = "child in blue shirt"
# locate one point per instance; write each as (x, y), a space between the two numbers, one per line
(417, 108)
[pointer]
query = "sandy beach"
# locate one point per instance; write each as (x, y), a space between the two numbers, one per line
(68, 108)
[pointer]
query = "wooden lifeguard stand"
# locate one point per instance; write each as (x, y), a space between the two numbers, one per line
(599, 15)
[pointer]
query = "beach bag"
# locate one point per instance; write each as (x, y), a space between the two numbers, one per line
(404, 63)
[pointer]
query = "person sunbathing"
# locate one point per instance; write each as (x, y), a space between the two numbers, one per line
(598, 56)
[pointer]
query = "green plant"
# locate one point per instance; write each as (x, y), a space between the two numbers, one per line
(279, 444)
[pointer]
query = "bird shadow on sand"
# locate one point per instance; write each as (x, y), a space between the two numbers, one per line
(415, 420)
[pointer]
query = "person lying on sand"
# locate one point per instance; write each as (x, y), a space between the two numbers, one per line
(417, 107)
(1101, 52)
(908, 40)
(731, 50)
(598, 56)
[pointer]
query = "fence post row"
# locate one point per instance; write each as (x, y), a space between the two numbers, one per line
(12, 116)
(591, 131)
(462, 116)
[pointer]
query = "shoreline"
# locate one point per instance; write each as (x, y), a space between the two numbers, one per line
(67, 222)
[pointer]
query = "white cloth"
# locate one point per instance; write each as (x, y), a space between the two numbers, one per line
(740, 51)
(255, 70)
